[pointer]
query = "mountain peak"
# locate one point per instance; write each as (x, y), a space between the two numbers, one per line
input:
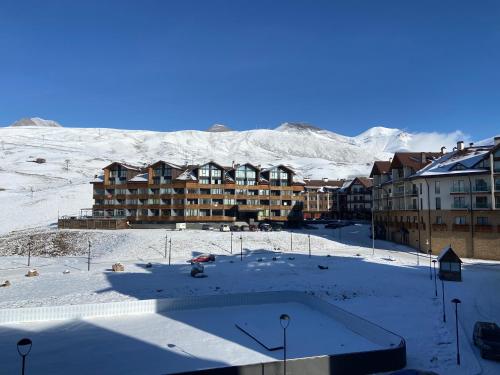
(36, 121)
(297, 126)
(216, 128)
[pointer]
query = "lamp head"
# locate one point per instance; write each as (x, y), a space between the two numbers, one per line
(24, 346)
(284, 320)
(434, 261)
(456, 300)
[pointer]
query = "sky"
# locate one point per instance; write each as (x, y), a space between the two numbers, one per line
(169, 65)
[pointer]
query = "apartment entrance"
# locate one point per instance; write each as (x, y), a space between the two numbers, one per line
(248, 215)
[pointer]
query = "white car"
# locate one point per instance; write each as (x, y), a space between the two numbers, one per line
(225, 228)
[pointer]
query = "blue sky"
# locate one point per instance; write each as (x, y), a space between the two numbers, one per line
(168, 65)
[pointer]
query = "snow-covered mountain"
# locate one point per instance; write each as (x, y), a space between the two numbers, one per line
(219, 128)
(33, 193)
(36, 121)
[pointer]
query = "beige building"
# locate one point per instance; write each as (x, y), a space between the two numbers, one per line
(436, 200)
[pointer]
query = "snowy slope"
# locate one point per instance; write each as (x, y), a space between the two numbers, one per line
(33, 194)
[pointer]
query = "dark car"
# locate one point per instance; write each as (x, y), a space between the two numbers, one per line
(234, 228)
(276, 227)
(265, 227)
(486, 337)
(245, 228)
(207, 227)
(253, 228)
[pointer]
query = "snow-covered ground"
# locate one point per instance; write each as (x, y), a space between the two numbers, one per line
(388, 288)
(33, 194)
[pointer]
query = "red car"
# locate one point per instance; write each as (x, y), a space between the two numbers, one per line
(203, 258)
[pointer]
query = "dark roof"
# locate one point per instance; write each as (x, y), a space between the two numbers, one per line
(380, 167)
(124, 165)
(447, 254)
(365, 181)
(413, 160)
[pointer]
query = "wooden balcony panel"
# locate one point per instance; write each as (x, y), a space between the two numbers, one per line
(460, 227)
(483, 228)
(439, 227)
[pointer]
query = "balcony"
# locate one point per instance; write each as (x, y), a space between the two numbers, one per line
(482, 206)
(439, 227)
(459, 190)
(481, 189)
(483, 228)
(460, 227)
(459, 206)
(412, 191)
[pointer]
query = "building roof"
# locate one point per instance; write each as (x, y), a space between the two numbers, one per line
(380, 167)
(365, 181)
(124, 165)
(457, 162)
(414, 160)
(447, 253)
(171, 165)
(143, 177)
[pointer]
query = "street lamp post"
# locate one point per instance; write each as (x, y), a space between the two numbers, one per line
(309, 239)
(435, 281)
(88, 259)
(29, 253)
(291, 241)
(373, 230)
(24, 348)
(231, 242)
(430, 263)
(241, 248)
(166, 245)
(284, 321)
(169, 250)
(456, 301)
(444, 306)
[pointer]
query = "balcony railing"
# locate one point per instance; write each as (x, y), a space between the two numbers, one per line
(459, 206)
(481, 189)
(459, 189)
(482, 205)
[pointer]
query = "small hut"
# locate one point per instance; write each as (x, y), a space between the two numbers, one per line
(450, 265)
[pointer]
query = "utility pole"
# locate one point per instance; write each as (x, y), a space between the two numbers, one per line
(88, 259)
(29, 252)
(166, 244)
(169, 251)
(373, 232)
(309, 238)
(291, 241)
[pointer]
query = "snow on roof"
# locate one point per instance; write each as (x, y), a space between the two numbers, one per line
(143, 177)
(99, 178)
(186, 175)
(296, 179)
(466, 158)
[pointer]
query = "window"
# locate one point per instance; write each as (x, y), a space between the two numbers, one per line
(438, 203)
(439, 220)
(420, 188)
(482, 220)
(217, 191)
(460, 220)
(448, 266)
(481, 202)
(459, 202)
(458, 186)
(437, 187)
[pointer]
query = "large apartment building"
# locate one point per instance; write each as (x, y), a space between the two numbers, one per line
(167, 193)
(432, 200)
(321, 198)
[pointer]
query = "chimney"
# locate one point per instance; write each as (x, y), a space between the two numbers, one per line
(497, 140)
(390, 160)
(325, 179)
(232, 164)
(460, 145)
(471, 144)
(423, 159)
(442, 150)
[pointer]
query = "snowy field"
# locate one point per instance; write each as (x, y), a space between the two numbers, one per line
(391, 288)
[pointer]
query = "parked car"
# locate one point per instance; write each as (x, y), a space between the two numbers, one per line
(225, 228)
(203, 258)
(245, 228)
(234, 228)
(265, 227)
(253, 228)
(486, 337)
(276, 227)
(207, 227)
